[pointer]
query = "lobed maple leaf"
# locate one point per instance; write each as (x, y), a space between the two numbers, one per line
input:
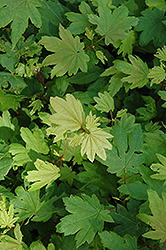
(95, 141)
(157, 220)
(45, 174)
(160, 168)
(86, 219)
(112, 25)
(105, 102)
(18, 12)
(68, 56)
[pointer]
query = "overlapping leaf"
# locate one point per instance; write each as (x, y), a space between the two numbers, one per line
(112, 25)
(161, 53)
(79, 21)
(124, 156)
(68, 56)
(45, 174)
(157, 220)
(160, 4)
(152, 27)
(18, 12)
(69, 114)
(137, 71)
(157, 74)
(113, 241)
(162, 93)
(86, 219)
(160, 168)
(95, 141)
(105, 102)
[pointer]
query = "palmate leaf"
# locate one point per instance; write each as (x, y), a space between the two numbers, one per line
(113, 25)
(124, 156)
(8, 101)
(161, 53)
(68, 56)
(157, 74)
(126, 46)
(26, 204)
(18, 12)
(157, 220)
(70, 114)
(95, 141)
(7, 242)
(105, 102)
(160, 4)
(113, 241)
(160, 168)
(162, 93)
(152, 27)
(137, 71)
(79, 21)
(45, 174)
(86, 219)
(7, 218)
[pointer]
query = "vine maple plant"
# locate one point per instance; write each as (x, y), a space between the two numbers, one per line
(82, 124)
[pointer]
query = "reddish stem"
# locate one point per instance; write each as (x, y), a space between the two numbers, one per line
(112, 208)
(94, 43)
(84, 130)
(41, 79)
(163, 245)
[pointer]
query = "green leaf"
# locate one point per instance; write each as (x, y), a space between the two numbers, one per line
(79, 21)
(113, 241)
(105, 102)
(157, 220)
(7, 242)
(160, 4)
(161, 53)
(96, 174)
(45, 174)
(5, 165)
(136, 69)
(124, 156)
(70, 114)
(163, 97)
(36, 105)
(37, 245)
(95, 141)
(17, 83)
(127, 220)
(112, 25)
(19, 13)
(157, 74)
(7, 218)
(152, 27)
(52, 14)
(20, 154)
(26, 203)
(126, 46)
(67, 175)
(68, 56)
(35, 140)
(149, 112)
(5, 120)
(8, 101)
(86, 219)
(160, 168)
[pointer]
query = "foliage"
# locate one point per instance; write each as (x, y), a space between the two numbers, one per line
(82, 124)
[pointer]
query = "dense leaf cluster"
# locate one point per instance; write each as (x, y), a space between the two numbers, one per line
(82, 124)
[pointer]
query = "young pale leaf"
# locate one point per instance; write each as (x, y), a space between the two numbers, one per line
(113, 241)
(7, 242)
(152, 27)
(70, 114)
(79, 21)
(157, 74)
(160, 168)
(68, 56)
(112, 25)
(45, 174)
(126, 46)
(136, 69)
(36, 106)
(161, 53)
(35, 140)
(95, 141)
(105, 102)
(19, 12)
(86, 219)
(7, 218)
(163, 97)
(101, 56)
(157, 220)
